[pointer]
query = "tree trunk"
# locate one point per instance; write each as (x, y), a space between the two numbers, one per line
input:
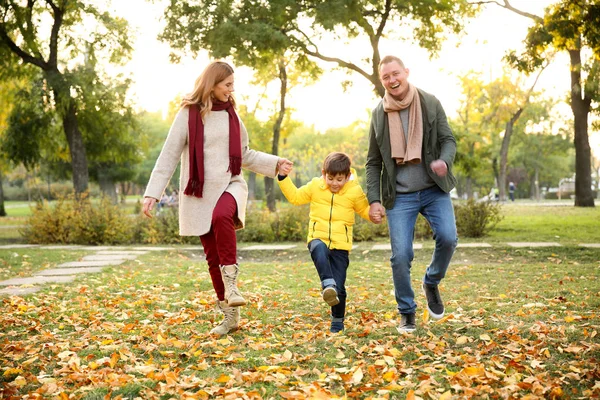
(79, 163)
(504, 159)
(252, 186)
(504, 153)
(469, 187)
(107, 186)
(125, 188)
(580, 106)
(269, 183)
(66, 106)
(2, 210)
(537, 183)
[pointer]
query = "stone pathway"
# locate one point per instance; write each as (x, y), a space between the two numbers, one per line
(66, 272)
(105, 256)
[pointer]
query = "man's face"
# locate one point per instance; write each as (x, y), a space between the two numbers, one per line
(394, 78)
(335, 182)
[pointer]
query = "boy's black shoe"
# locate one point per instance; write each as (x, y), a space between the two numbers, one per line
(407, 323)
(435, 305)
(336, 326)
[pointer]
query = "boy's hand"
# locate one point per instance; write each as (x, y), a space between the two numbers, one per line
(376, 213)
(284, 166)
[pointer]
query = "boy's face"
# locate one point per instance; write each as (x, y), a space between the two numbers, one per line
(335, 182)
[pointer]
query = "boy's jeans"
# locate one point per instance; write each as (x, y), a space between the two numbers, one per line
(436, 207)
(332, 266)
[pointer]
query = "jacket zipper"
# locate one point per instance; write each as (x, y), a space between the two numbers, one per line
(330, 217)
(347, 240)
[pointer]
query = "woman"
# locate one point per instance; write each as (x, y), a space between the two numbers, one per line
(212, 143)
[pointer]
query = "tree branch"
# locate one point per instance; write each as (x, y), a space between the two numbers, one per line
(58, 20)
(320, 56)
(508, 6)
(26, 57)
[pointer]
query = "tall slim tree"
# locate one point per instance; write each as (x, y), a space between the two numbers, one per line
(23, 34)
(508, 132)
(572, 26)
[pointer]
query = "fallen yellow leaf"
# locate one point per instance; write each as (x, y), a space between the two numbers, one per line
(19, 381)
(446, 395)
(13, 371)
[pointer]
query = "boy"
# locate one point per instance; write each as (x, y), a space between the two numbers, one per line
(333, 198)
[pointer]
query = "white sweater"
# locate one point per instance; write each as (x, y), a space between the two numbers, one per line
(195, 214)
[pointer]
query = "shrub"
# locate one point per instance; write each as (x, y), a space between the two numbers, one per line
(163, 228)
(259, 226)
(366, 230)
(291, 223)
(40, 191)
(475, 219)
(77, 220)
(422, 228)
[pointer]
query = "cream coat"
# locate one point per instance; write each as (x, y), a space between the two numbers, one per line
(195, 214)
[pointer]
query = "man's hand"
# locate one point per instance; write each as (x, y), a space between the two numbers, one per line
(439, 167)
(376, 213)
(148, 206)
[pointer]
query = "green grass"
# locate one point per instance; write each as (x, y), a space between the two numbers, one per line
(520, 322)
(523, 221)
(18, 263)
(17, 208)
(564, 224)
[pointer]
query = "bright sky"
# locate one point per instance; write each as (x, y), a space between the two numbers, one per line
(489, 36)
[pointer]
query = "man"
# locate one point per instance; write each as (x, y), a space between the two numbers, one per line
(409, 164)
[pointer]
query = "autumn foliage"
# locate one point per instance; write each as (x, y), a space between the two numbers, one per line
(519, 325)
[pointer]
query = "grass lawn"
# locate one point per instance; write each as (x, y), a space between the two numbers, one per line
(18, 263)
(521, 323)
(563, 224)
(523, 221)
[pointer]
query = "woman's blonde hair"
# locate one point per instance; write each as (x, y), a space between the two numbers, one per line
(215, 73)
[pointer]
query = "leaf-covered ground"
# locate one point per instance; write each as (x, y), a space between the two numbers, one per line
(520, 323)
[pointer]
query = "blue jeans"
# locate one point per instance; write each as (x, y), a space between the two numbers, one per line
(435, 205)
(332, 266)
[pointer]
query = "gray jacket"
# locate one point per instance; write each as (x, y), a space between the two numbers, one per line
(438, 143)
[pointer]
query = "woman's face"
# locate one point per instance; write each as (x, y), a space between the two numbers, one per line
(223, 89)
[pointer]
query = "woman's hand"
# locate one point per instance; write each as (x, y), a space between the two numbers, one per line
(284, 166)
(148, 206)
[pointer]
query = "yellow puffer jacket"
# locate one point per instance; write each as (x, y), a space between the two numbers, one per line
(331, 215)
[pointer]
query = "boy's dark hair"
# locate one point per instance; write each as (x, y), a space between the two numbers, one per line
(337, 164)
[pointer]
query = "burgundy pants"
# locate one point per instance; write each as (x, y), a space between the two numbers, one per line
(220, 246)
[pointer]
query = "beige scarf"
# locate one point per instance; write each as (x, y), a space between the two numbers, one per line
(402, 152)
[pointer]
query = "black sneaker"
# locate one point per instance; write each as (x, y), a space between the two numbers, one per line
(435, 305)
(336, 326)
(407, 323)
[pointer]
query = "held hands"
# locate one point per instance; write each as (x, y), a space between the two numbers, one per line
(376, 213)
(439, 167)
(148, 206)
(284, 166)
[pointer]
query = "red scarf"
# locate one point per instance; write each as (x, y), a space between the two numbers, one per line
(196, 144)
